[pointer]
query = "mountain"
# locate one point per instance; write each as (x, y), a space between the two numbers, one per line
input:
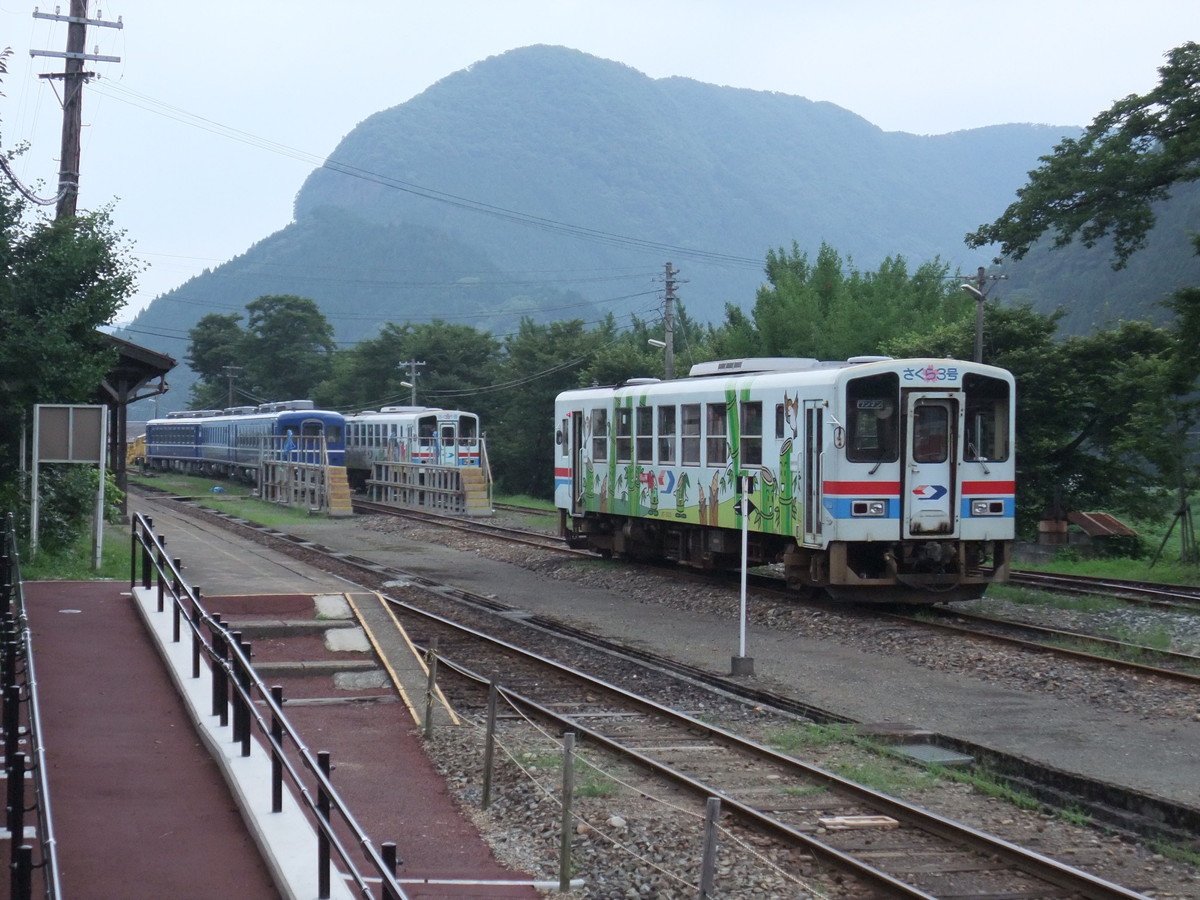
(550, 183)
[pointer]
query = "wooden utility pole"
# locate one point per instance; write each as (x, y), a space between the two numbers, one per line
(74, 79)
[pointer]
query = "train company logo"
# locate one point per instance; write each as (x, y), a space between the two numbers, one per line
(932, 374)
(665, 481)
(929, 491)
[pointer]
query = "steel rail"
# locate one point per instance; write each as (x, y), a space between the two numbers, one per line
(1027, 861)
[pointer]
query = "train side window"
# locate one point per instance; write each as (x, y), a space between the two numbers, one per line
(624, 434)
(600, 433)
(645, 434)
(666, 435)
(716, 445)
(689, 414)
(752, 427)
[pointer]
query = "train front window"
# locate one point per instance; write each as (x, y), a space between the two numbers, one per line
(931, 433)
(987, 422)
(872, 426)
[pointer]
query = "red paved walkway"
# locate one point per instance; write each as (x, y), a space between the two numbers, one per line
(140, 808)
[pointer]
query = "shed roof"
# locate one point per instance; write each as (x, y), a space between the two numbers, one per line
(1096, 524)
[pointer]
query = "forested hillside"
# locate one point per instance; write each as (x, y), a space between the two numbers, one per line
(552, 184)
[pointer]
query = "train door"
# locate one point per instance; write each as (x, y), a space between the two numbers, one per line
(814, 422)
(448, 444)
(928, 495)
(576, 438)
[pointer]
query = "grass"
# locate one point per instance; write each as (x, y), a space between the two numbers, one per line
(75, 563)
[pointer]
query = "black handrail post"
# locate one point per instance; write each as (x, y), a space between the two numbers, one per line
(133, 545)
(235, 663)
(246, 679)
(323, 826)
(196, 640)
(276, 749)
(176, 607)
(220, 685)
(21, 882)
(147, 563)
(16, 798)
(388, 852)
(160, 564)
(12, 725)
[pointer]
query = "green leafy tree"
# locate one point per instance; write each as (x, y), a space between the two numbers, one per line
(829, 310)
(1105, 182)
(459, 362)
(1105, 185)
(217, 346)
(289, 346)
(60, 280)
(540, 361)
(284, 352)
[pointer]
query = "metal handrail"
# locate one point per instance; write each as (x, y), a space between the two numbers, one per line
(21, 864)
(232, 671)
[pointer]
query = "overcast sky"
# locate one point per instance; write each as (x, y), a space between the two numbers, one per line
(216, 112)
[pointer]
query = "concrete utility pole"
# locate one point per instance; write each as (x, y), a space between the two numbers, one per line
(231, 372)
(979, 290)
(411, 365)
(72, 102)
(669, 320)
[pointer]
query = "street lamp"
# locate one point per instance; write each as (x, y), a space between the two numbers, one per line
(979, 298)
(412, 401)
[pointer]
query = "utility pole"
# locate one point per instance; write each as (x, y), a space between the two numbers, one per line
(231, 372)
(411, 365)
(669, 319)
(74, 79)
(979, 290)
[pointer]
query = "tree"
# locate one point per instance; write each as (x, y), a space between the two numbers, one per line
(1106, 182)
(285, 351)
(289, 346)
(60, 280)
(824, 311)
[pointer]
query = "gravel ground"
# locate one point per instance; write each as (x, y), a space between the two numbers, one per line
(632, 841)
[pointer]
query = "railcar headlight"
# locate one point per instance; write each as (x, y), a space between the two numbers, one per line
(987, 507)
(869, 508)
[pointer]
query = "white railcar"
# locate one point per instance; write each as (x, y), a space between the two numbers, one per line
(868, 479)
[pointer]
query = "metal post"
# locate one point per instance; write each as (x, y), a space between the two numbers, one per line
(708, 860)
(196, 641)
(489, 744)
(390, 861)
(430, 688)
(161, 564)
(276, 749)
(323, 829)
(176, 608)
(568, 793)
(245, 677)
(16, 797)
(21, 882)
(235, 641)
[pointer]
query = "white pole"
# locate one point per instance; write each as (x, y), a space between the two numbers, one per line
(745, 544)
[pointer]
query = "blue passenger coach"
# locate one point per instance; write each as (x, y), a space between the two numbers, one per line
(232, 442)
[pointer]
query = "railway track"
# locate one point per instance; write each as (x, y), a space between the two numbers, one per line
(587, 713)
(1083, 647)
(892, 845)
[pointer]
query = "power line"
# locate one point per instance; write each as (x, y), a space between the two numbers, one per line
(525, 219)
